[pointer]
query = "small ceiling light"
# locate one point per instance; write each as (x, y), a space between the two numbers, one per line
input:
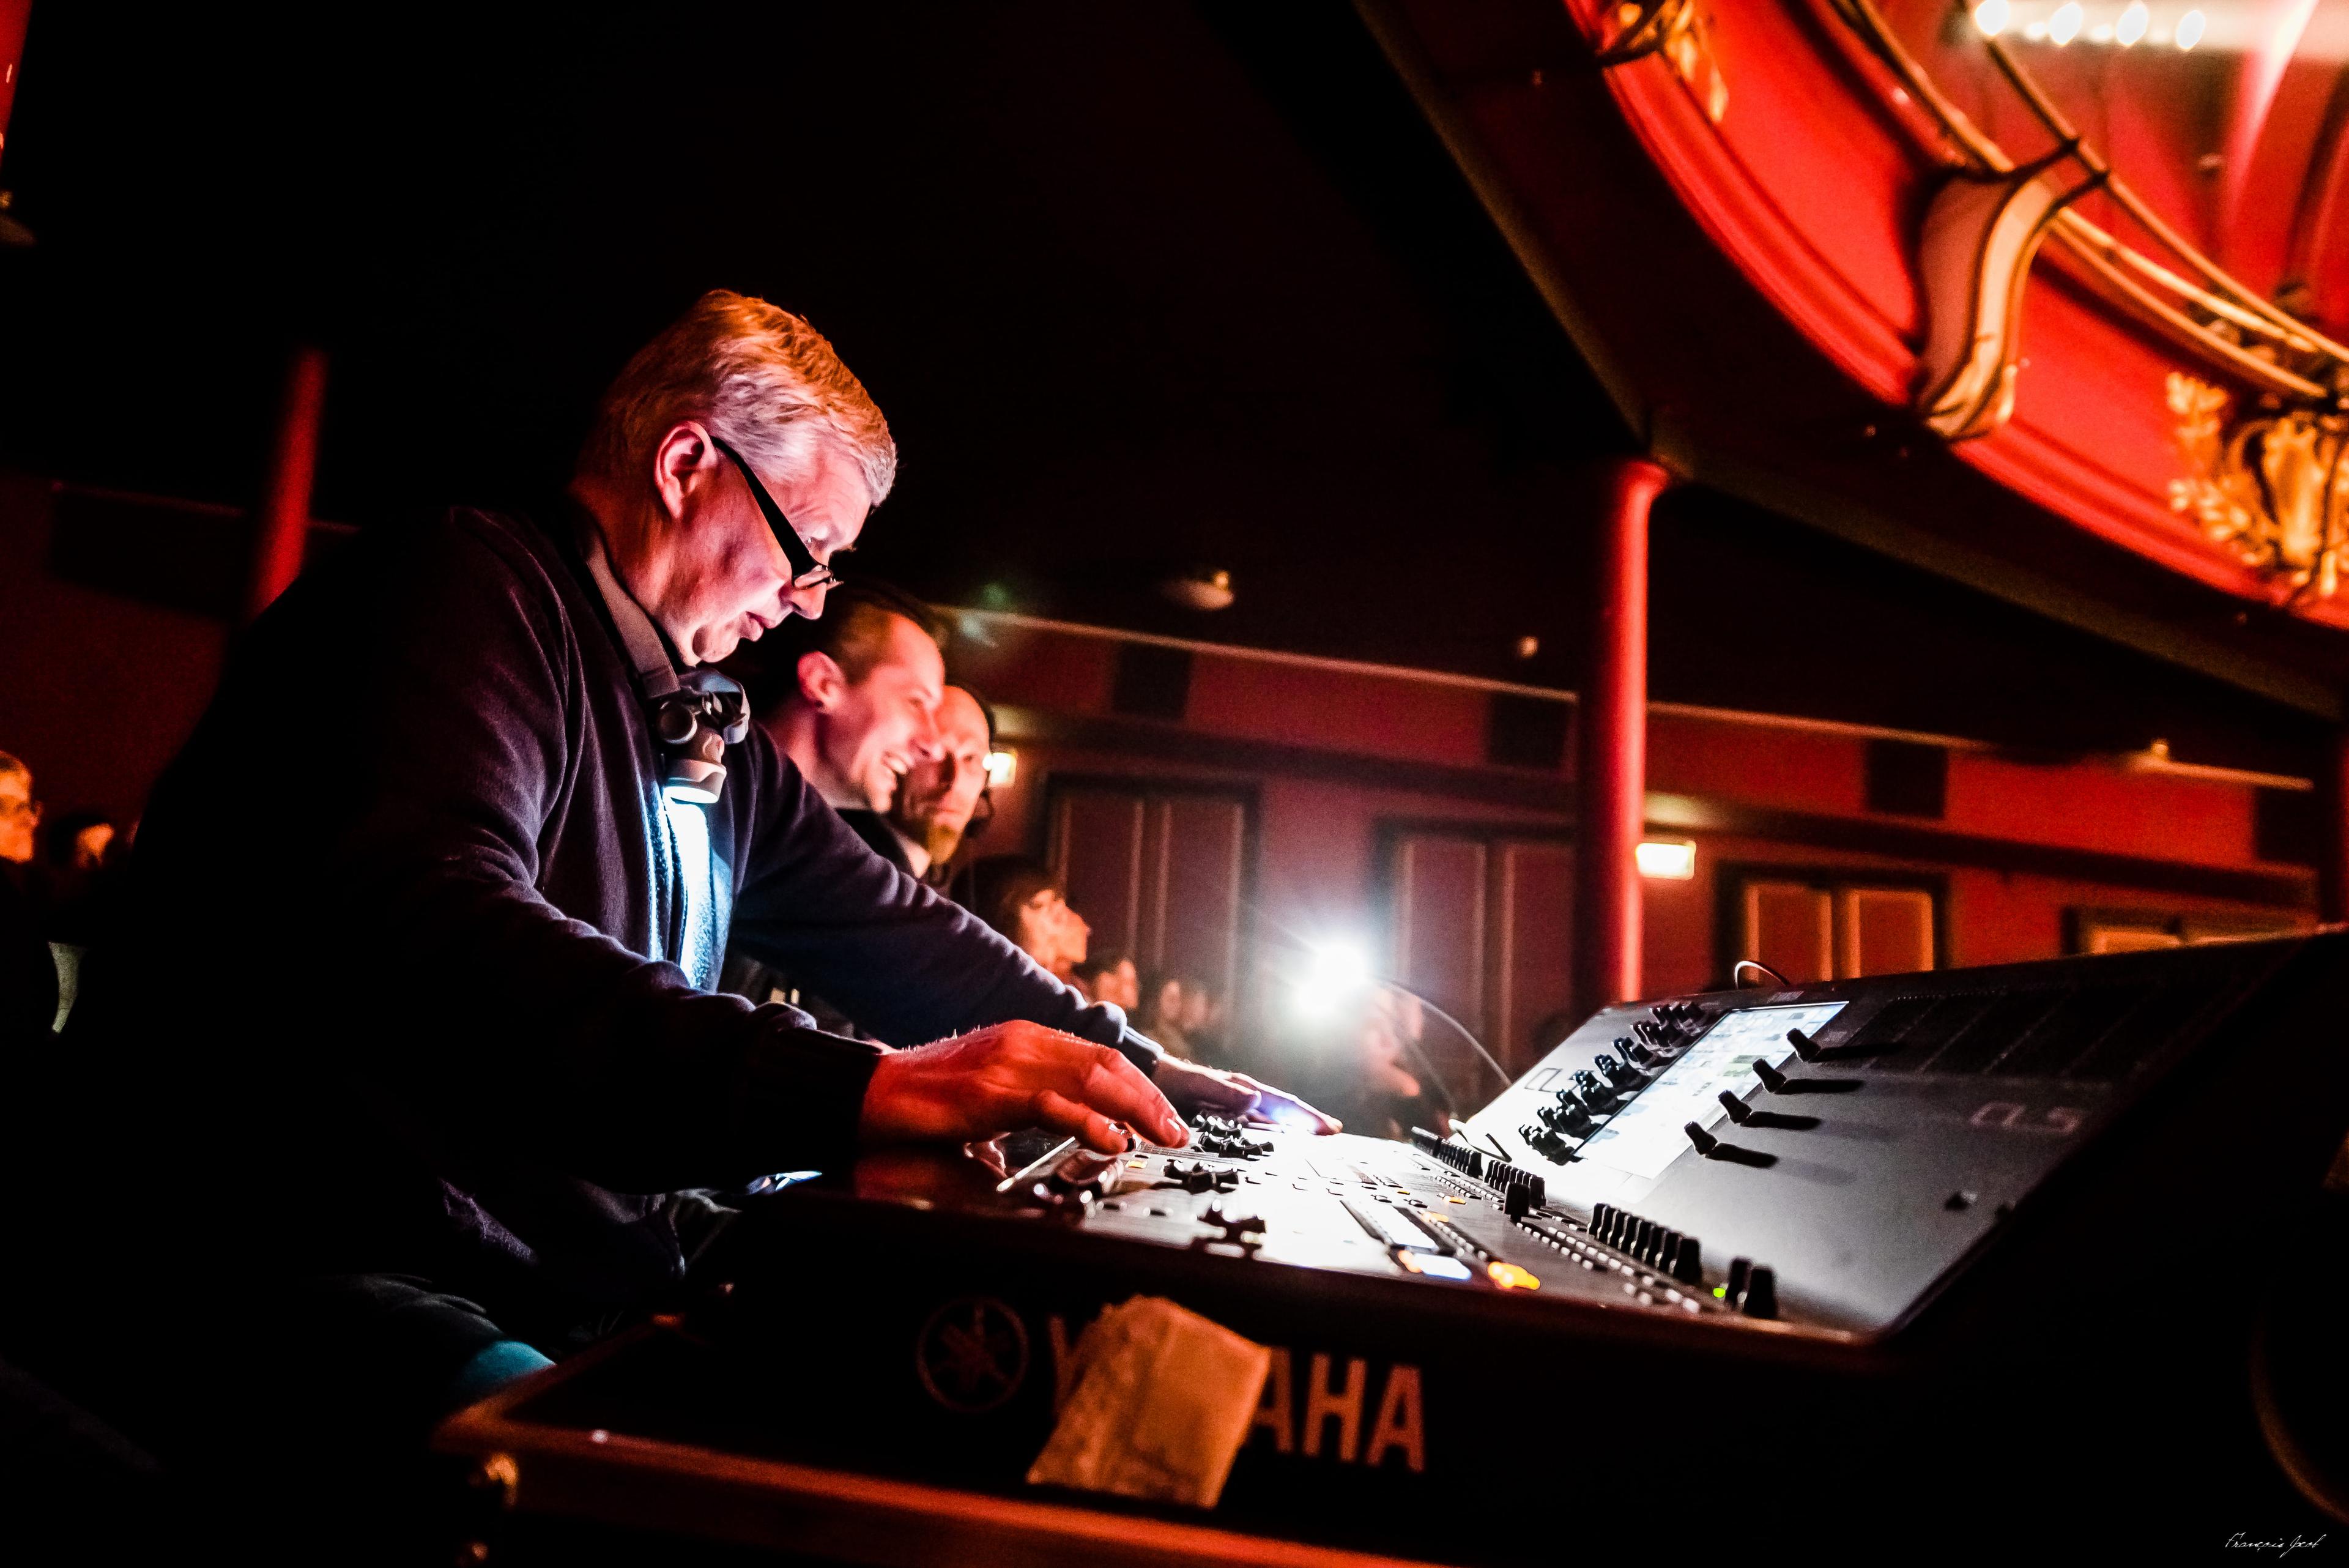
(1527, 647)
(2133, 24)
(2189, 30)
(1667, 859)
(1199, 590)
(2064, 25)
(1002, 767)
(1992, 17)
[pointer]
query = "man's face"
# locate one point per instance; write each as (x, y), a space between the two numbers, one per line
(869, 733)
(723, 579)
(20, 814)
(938, 794)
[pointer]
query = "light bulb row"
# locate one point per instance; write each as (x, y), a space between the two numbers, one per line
(2127, 26)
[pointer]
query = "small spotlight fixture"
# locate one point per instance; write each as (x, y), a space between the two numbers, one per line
(2189, 30)
(2132, 25)
(1002, 767)
(2064, 25)
(1993, 16)
(1667, 859)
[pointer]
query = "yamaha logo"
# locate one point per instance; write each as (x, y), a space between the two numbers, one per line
(972, 1354)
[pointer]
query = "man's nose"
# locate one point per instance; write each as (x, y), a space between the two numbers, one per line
(928, 745)
(808, 602)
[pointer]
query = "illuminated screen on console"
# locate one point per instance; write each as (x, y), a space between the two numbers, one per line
(1647, 1135)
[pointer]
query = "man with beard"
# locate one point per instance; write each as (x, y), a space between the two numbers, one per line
(931, 818)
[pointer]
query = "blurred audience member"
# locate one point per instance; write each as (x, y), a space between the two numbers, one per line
(20, 812)
(80, 840)
(80, 861)
(1019, 896)
(1364, 1056)
(28, 975)
(1203, 1020)
(1161, 1020)
(1110, 977)
(940, 799)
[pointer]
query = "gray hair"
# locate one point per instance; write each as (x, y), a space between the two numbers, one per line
(763, 379)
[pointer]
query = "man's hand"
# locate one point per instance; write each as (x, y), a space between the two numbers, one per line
(1193, 1089)
(1011, 1076)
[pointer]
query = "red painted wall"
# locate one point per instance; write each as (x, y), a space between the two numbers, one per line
(97, 691)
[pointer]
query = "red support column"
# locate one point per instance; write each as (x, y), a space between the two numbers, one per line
(284, 523)
(1611, 744)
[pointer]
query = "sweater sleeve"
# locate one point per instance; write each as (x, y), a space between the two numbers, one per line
(605, 1062)
(909, 966)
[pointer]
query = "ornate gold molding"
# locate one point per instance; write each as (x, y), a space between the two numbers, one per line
(2267, 485)
(1674, 29)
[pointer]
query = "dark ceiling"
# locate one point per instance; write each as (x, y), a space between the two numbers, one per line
(1141, 287)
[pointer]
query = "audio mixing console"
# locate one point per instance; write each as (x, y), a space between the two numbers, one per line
(1926, 1253)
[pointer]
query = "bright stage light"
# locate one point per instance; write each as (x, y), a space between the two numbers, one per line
(1002, 767)
(2064, 25)
(1334, 971)
(2133, 24)
(1667, 860)
(2189, 30)
(1993, 16)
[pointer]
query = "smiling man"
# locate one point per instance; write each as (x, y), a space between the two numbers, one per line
(861, 706)
(445, 1092)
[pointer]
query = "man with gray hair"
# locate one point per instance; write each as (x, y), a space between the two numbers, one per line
(535, 816)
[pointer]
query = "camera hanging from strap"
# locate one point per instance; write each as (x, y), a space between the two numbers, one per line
(695, 715)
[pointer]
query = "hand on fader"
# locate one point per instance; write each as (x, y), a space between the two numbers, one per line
(1194, 1089)
(1011, 1076)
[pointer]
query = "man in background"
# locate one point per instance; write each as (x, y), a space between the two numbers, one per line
(855, 704)
(932, 817)
(853, 699)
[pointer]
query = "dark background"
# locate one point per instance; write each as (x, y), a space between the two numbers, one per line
(1141, 287)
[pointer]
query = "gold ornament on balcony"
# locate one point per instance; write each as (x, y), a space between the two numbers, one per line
(1674, 29)
(2267, 485)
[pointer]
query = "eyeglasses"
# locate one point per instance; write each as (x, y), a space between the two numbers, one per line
(807, 572)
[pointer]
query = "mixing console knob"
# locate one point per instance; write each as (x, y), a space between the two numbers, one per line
(1599, 1213)
(1704, 1141)
(1740, 1271)
(1597, 1093)
(1739, 1111)
(1666, 1248)
(1643, 1240)
(1772, 1079)
(1761, 1297)
(1637, 1055)
(1517, 1201)
(1804, 1046)
(1687, 1263)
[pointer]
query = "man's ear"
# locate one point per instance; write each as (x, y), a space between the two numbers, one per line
(823, 682)
(685, 461)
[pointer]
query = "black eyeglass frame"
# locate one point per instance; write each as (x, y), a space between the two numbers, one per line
(807, 572)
